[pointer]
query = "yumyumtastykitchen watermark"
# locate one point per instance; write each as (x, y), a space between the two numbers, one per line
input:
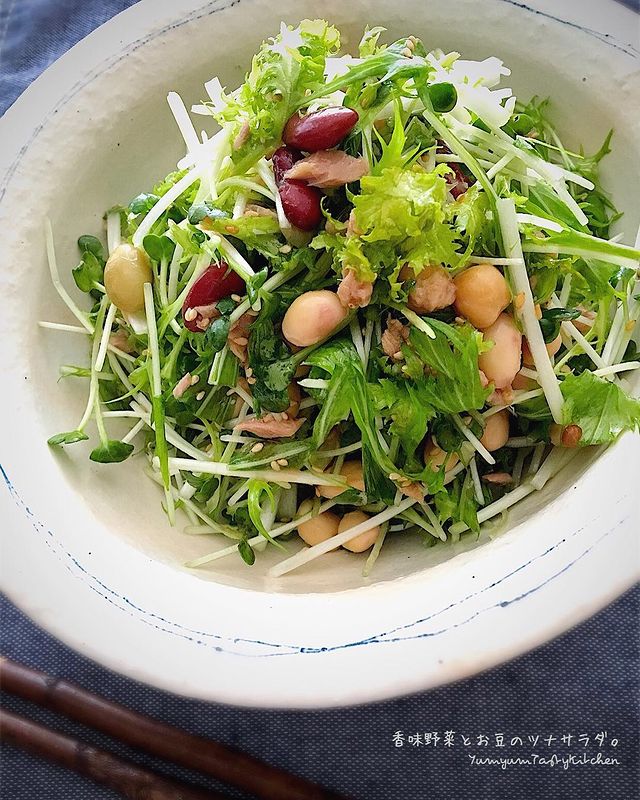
(506, 750)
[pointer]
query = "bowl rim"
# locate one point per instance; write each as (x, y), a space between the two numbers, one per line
(25, 115)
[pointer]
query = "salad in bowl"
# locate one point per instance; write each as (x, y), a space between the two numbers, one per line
(382, 299)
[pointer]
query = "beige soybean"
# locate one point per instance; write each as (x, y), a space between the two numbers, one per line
(312, 316)
(481, 294)
(352, 473)
(496, 431)
(502, 362)
(125, 274)
(435, 457)
(364, 540)
(552, 349)
(317, 529)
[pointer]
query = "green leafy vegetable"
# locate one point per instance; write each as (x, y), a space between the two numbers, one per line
(599, 407)
(89, 244)
(71, 437)
(246, 551)
(283, 73)
(402, 403)
(89, 272)
(552, 318)
(453, 383)
(158, 247)
(143, 203)
(111, 452)
(258, 489)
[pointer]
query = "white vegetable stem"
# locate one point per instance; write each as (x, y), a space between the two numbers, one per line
(114, 235)
(539, 222)
(518, 272)
(310, 554)
(183, 121)
(306, 477)
(106, 333)
(55, 279)
(165, 202)
(473, 439)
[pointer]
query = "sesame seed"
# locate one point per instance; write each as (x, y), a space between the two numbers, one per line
(518, 301)
(409, 45)
(397, 355)
(406, 52)
(230, 392)
(236, 298)
(251, 381)
(195, 379)
(284, 415)
(283, 462)
(275, 466)
(257, 447)
(232, 228)
(268, 418)
(286, 248)
(190, 314)
(538, 311)
(242, 341)
(200, 395)
(394, 476)
(413, 39)
(630, 325)
(248, 372)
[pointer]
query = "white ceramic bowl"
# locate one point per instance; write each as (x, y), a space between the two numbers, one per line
(86, 549)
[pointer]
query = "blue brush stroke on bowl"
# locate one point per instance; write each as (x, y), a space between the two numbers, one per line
(281, 648)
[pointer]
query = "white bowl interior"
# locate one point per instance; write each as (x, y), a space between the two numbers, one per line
(115, 136)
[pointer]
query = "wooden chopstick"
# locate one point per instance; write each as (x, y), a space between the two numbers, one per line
(226, 764)
(125, 777)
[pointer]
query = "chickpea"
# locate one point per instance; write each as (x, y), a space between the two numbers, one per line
(364, 540)
(436, 457)
(317, 529)
(125, 274)
(502, 363)
(312, 316)
(352, 473)
(552, 349)
(481, 294)
(496, 431)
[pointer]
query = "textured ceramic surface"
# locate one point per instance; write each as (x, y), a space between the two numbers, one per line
(86, 549)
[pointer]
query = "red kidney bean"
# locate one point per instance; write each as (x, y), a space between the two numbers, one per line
(282, 160)
(319, 130)
(216, 282)
(301, 204)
